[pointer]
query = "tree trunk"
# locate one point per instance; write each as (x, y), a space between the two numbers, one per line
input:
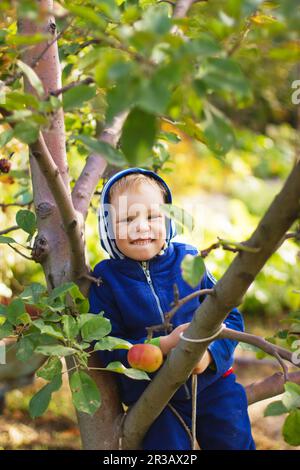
(52, 248)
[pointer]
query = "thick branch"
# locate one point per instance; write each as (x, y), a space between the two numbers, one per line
(269, 387)
(95, 166)
(278, 352)
(72, 224)
(229, 292)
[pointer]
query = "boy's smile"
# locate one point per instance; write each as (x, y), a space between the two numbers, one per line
(139, 224)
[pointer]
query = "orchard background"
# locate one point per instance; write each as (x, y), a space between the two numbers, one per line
(207, 94)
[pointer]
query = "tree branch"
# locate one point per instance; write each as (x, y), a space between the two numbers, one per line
(269, 387)
(72, 225)
(272, 349)
(9, 229)
(229, 292)
(86, 81)
(95, 166)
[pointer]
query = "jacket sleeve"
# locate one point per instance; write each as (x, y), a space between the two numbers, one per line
(101, 300)
(222, 349)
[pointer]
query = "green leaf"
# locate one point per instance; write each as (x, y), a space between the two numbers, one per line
(193, 268)
(95, 328)
(111, 155)
(203, 46)
(221, 74)
(40, 401)
(132, 373)
(26, 131)
(291, 428)
(26, 220)
(54, 350)
(87, 14)
(70, 326)
(109, 8)
(218, 133)
(291, 396)
(51, 369)
(109, 343)
(25, 348)
(51, 330)
(15, 310)
(181, 217)
(6, 330)
(155, 19)
(4, 239)
(6, 136)
(32, 77)
(33, 292)
(66, 288)
(275, 409)
(75, 97)
(138, 136)
(85, 394)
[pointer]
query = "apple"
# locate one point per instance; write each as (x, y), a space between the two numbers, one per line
(146, 357)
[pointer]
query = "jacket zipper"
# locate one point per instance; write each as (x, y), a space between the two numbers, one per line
(145, 268)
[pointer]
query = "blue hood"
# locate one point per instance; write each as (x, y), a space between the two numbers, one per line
(107, 238)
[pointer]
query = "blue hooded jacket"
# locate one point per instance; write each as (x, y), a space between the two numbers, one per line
(134, 295)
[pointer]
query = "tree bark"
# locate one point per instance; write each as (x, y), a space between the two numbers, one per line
(52, 243)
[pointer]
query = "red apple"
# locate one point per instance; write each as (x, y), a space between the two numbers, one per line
(145, 357)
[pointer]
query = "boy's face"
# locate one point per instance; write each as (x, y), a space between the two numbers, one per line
(139, 225)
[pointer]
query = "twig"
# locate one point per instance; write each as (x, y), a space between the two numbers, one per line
(295, 235)
(18, 204)
(244, 33)
(19, 252)
(97, 280)
(166, 325)
(182, 422)
(86, 81)
(184, 300)
(9, 229)
(278, 352)
(225, 244)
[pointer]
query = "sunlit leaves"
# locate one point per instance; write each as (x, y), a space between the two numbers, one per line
(138, 136)
(193, 269)
(76, 96)
(119, 368)
(111, 154)
(85, 393)
(40, 401)
(32, 77)
(218, 132)
(95, 328)
(110, 343)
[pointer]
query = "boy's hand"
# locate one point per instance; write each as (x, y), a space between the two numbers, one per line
(202, 365)
(170, 341)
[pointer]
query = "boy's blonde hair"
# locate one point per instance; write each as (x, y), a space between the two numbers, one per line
(134, 180)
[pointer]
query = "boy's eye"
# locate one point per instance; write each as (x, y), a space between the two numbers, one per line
(154, 216)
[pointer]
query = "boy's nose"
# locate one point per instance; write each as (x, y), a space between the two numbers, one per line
(143, 225)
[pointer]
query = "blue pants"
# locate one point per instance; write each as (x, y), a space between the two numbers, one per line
(222, 421)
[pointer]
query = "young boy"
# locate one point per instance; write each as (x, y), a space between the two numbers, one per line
(136, 291)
